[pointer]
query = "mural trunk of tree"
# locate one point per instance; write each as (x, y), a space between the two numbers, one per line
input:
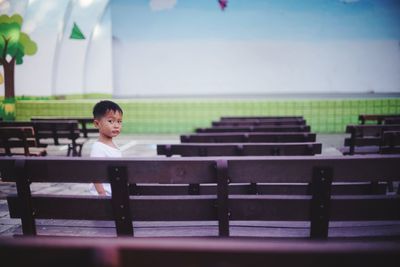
(8, 68)
(14, 45)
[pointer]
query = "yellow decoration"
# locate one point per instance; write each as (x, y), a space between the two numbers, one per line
(9, 107)
(1, 79)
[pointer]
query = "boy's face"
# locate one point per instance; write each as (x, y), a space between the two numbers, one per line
(110, 124)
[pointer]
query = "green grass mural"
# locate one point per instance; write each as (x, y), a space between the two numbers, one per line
(175, 116)
(7, 109)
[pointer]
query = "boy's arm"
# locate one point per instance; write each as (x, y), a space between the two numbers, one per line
(100, 189)
(98, 153)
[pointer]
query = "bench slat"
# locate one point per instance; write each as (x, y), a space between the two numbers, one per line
(253, 137)
(294, 169)
(149, 208)
(299, 169)
(265, 122)
(239, 149)
(87, 170)
(366, 188)
(286, 128)
(192, 208)
(227, 118)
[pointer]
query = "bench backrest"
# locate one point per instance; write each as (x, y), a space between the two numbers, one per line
(392, 121)
(83, 121)
(265, 122)
(371, 130)
(254, 137)
(11, 137)
(378, 118)
(390, 143)
(319, 208)
(239, 149)
(227, 118)
(56, 130)
(367, 135)
(274, 128)
(49, 129)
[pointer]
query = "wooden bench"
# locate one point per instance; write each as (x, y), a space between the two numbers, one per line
(264, 122)
(320, 209)
(366, 136)
(19, 141)
(83, 121)
(376, 118)
(52, 132)
(273, 128)
(161, 252)
(252, 137)
(239, 149)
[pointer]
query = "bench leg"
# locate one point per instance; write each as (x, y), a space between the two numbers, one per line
(74, 150)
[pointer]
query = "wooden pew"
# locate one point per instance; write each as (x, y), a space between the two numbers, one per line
(19, 141)
(84, 123)
(366, 135)
(54, 133)
(239, 149)
(250, 137)
(376, 118)
(196, 252)
(273, 128)
(320, 208)
(256, 122)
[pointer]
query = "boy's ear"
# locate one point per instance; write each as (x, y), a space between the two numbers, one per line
(96, 123)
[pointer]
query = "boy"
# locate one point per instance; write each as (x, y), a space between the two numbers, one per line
(107, 117)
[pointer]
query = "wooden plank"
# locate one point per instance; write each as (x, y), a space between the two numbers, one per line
(277, 128)
(371, 130)
(299, 169)
(192, 208)
(256, 122)
(376, 117)
(227, 118)
(392, 121)
(365, 188)
(239, 149)
(83, 121)
(144, 170)
(185, 252)
(297, 208)
(282, 169)
(161, 208)
(252, 137)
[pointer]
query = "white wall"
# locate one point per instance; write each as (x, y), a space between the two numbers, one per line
(71, 64)
(98, 76)
(62, 65)
(239, 67)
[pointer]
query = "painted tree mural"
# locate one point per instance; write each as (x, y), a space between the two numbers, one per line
(14, 45)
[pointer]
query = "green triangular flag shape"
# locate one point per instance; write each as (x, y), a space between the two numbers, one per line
(76, 33)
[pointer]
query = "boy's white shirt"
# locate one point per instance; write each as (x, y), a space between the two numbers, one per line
(100, 150)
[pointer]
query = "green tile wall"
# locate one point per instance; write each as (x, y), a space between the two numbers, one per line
(183, 115)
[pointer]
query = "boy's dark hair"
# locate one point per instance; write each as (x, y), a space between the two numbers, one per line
(101, 108)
